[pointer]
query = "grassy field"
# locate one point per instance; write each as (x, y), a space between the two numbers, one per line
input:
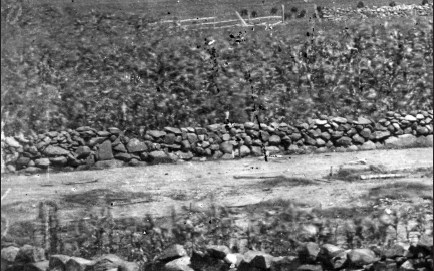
(181, 9)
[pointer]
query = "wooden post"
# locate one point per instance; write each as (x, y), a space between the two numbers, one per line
(283, 13)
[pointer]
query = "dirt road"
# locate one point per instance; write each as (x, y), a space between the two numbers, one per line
(232, 183)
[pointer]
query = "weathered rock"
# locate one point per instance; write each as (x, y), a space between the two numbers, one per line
(363, 121)
(308, 252)
(55, 151)
(156, 133)
(340, 120)
(43, 163)
(274, 140)
(226, 147)
(104, 151)
(159, 157)
(218, 252)
(264, 135)
(123, 156)
(244, 151)
(320, 122)
(192, 138)
(368, 145)
(120, 147)
(401, 141)
(95, 141)
(410, 118)
(379, 135)
(344, 141)
(171, 253)
(114, 130)
(59, 161)
(361, 257)
(135, 145)
(227, 156)
(11, 142)
(396, 250)
(173, 130)
(107, 262)
(22, 162)
(33, 170)
(184, 155)
(180, 264)
(129, 266)
(426, 242)
(78, 264)
(39, 266)
(309, 141)
(30, 254)
(422, 130)
(358, 139)
(256, 259)
(407, 266)
(82, 152)
(9, 254)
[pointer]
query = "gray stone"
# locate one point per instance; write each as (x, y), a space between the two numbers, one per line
(422, 130)
(337, 134)
(104, 133)
(22, 162)
(309, 267)
(410, 118)
(363, 121)
(200, 130)
(244, 151)
(192, 138)
(379, 135)
(173, 130)
(325, 135)
(344, 141)
(171, 253)
(114, 130)
(59, 161)
(340, 120)
(264, 136)
(120, 147)
(320, 142)
(104, 151)
(295, 136)
(226, 147)
(43, 163)
(401, 141)
(9, 254)
(55, 151)
(358, 139)
(123, 156)
(180, 264)
(159, 157)
(309, 141)
(169, 138)
(361, 257)
(11, 142)
(308, 253)
(135, 145)
(213, 127)
(256, 150)
(227, 156)
(218, 252)
(82, 152)
(256, 259)
(320, 122)
(274, 140)
(226, 137)
(156, 133)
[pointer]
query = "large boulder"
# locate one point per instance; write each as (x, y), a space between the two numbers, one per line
(226, 147)
(156, 133)
(171, 253)
(82, 152)
(135, 145)
(55, 151)
(401, 141)
(104, 151)
(159, 157)
(361, 257)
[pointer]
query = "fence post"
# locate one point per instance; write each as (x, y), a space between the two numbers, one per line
(283, 13)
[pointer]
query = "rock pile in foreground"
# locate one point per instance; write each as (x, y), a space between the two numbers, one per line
(310, 257)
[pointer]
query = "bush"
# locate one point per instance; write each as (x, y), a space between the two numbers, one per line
(424, 2)
(287, 16)
(392, 4)
(273, 11)
(302, 14)
(254, 14)
(244, 12)
(360, 5)
(294, 9)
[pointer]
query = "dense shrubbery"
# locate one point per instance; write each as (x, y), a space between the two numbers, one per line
(360, 4)
(97, 69)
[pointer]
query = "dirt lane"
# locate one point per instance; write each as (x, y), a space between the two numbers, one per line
(191, 183)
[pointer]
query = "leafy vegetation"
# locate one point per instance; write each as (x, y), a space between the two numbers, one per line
(62, 69)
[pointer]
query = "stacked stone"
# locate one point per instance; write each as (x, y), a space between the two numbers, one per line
(384, 11)
(85, 147)
(33, 258)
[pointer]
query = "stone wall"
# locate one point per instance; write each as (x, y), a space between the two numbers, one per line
(88, 148)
